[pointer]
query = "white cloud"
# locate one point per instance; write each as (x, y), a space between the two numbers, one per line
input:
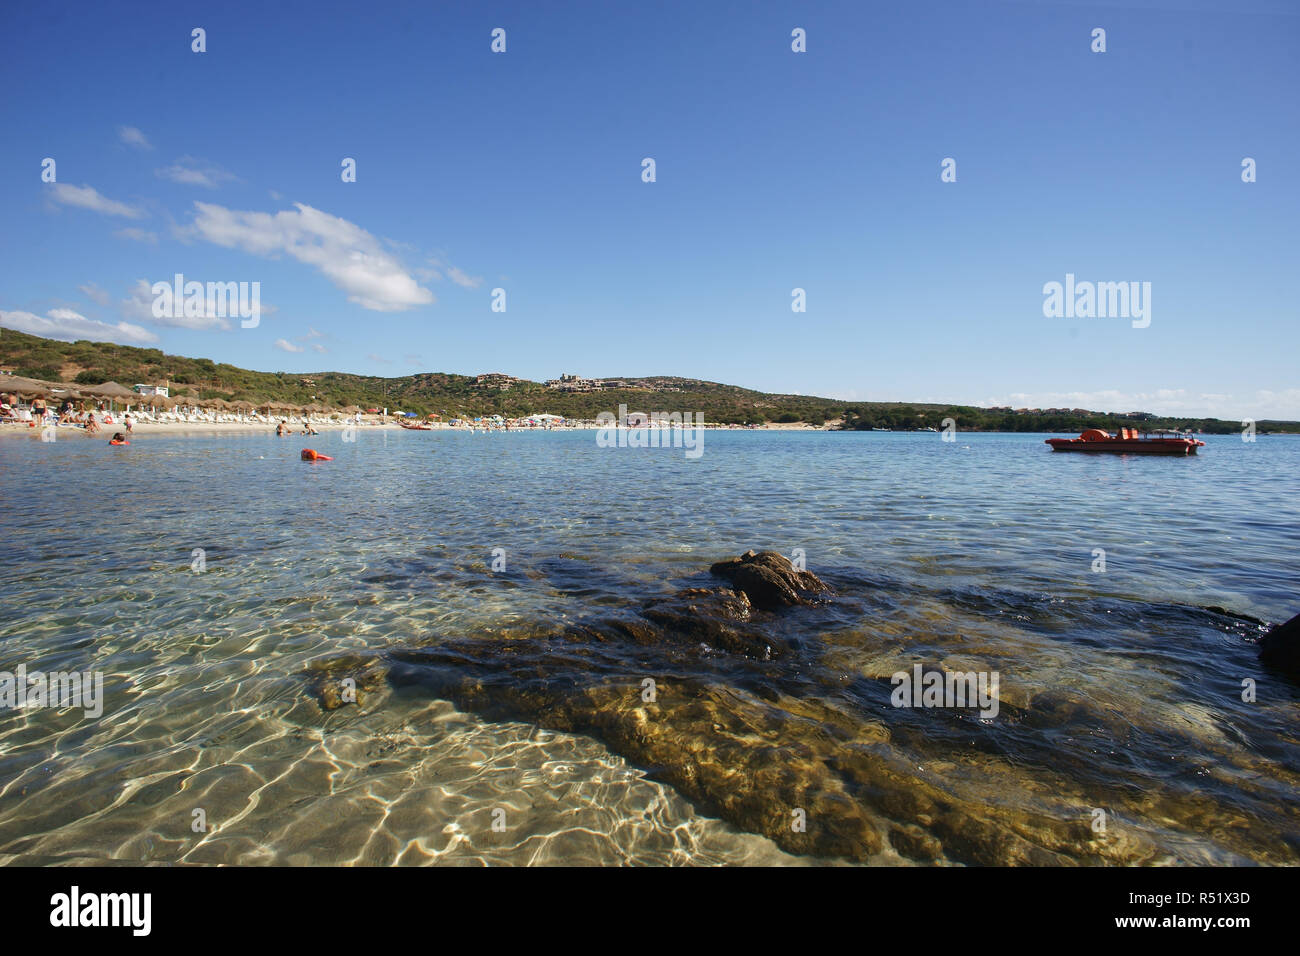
(136, 233)
(436, 268)
(463, 280)
(139, 305)
(319, 348)
(133, 137)
(88, 198)
(379, 358)
(349, 256)
(68, 326)
(94, 293)
(285, 345)
(189, 171)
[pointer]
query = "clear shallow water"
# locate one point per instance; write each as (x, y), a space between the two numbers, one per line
(976, 553)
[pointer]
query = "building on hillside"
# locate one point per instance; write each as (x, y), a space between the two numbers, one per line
(152, 390)
(497, 380)
(572, 383)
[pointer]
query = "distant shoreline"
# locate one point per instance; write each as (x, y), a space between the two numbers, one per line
(193, 429)
(22, 429)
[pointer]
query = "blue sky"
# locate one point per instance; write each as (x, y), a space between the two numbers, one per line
(775, 170)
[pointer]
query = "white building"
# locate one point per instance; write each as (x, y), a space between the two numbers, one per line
(153, 390)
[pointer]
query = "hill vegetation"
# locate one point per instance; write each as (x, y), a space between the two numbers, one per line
(450, 395)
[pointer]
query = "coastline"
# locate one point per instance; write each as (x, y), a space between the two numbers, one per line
(147, 428)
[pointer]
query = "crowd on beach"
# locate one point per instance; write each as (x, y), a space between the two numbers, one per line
(39, 412)
(91, 415)
(88, 415)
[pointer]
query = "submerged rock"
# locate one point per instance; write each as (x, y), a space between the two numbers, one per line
(715, 617)
(711, 692)
(1280, 647)
(345, 679)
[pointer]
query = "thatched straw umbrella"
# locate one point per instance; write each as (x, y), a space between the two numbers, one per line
(276, 407)
(27, 386)
(111, 391)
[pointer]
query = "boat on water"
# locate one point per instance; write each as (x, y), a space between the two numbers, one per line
(416, 428)
(1129, 442)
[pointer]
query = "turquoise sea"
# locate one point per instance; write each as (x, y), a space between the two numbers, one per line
(1123, 688)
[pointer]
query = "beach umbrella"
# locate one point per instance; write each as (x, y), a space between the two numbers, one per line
(26, 386)
(109, 390)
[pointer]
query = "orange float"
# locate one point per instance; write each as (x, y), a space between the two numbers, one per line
(310, 454)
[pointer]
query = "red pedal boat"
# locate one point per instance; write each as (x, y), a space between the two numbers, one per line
(1127, 442)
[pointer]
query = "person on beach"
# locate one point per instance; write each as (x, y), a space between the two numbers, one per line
(128, 423)
(92, 426)
(279, 430)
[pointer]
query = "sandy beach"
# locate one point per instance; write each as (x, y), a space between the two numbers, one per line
(144, 428)
(147, 428)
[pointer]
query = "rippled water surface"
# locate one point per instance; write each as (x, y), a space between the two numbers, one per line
(1121, 691)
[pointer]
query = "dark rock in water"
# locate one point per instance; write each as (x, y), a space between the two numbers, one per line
(715, 617)
(345, 679)
(769, 580)
(699, 688)
(725, 693)
(1280, 647)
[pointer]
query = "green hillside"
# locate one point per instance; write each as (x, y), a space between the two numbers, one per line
(451, 395)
